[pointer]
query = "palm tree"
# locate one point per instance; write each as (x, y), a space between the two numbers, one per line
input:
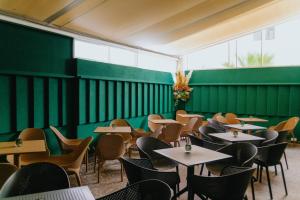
(255, 59)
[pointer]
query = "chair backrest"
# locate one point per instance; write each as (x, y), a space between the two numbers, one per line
(35, 178)
(242, 153)
(182, 120)
(147, 145)
(6, 170)
(291, 124)
(269, 135)
(205, 131)
(197, 125)
(122, 122)
(221, 119)
(61, 138)
(205, 143)
(110, 147)
(34, 134)
(282, 136)
(133, 169)
(215, 115)
(78, 155)
(231, 118)
(271, 154)
(278, 127)
(231, 186)
(171, 132)
(189, 127)
(151, 189)
(152, 126)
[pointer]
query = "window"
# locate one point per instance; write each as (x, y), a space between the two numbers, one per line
(90, 51)
(122, 56)
(272, 46)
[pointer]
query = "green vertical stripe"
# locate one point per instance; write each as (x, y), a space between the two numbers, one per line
(53, 101)
(133, 99)
(22, 112)
(119, 99)
(5, 93)
(111, 100)
(156, 99)
(38, 102)
(126, 100)
(151, 97)
(102, 100)
(64, 101)
(146, 98)
(140, 99)
(82, 101)
(92, 101)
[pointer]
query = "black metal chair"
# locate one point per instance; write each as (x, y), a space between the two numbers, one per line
(205, 144)
(217, 126)
(142, 169)
(243, 155)
(146, 147)
(143, 190)
(206, 130)
(267, 156)
(269, 135)
(35, 178)
(283, 137)
(231, 185)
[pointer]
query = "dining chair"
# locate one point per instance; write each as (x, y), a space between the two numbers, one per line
(197, 125)
(171, 133)
(152, 126)
(231, 118)
(182, 120)
(35, 178)
(283, 137)
(151, 189)
(242, 153)
(267, 156)
(31, 134)
(72, 161)
(146, 147)
(6, 170)
(141, 169)
(221, 119)
(278, 127)
(129, 140)
(68, 145)
(188, 128)
(218, 126)
(215, 115)
(270, 137)
(290, 125)
(231, 186)
(109, 147)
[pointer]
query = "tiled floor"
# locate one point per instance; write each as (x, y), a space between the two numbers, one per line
(110, 179)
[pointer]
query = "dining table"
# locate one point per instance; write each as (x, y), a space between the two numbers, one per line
(240, 137)
(111, 129)
(164, 121)
(245, 127)
(251, 120)
(27, 146)
(197, 155)
(190, 115)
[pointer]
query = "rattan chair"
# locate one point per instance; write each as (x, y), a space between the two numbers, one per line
(109, 147)
(146, 147)
(231, 186)
(152, 126)
(35, 178)
(243, 155)
(267, 156)
(171, 133)
(141, 169)
(31, 134)
(151, 189)
(231, 118)
(6, 170)
(188, 128)
(182, 120)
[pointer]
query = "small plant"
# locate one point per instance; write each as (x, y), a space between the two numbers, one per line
(181, 89)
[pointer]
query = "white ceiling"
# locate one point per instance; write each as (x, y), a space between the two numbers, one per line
(174, 27)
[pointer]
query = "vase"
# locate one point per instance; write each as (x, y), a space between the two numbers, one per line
(180, 105)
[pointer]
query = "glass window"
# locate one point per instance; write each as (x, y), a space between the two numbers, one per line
(90, 51)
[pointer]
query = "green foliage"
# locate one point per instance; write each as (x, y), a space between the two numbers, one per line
(255, 59)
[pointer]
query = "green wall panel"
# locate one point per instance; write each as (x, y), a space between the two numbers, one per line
(133, 99)
(283, 100)
(251, 99)
(161, 99)
(92, 101)
(5, 106)
(22, 109)
(151, 99)
(294, 104)
(272, 100)
(64, 102)
(126, 100)
(102, 100)
(140, 99)
(111, 100)
(146, 99)
(222, 100)
(119, 100)
(53, 101)
(82, 102)
(156, 99)
(39, 106)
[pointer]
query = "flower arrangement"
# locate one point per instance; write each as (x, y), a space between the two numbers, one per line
(181, 89)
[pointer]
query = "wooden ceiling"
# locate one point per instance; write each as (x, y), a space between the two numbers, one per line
(174, 27)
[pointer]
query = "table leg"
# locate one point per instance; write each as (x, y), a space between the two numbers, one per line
(17, 160)
(190, 173)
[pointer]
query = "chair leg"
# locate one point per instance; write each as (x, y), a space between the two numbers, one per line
(252, 188)
(201, 170)
(78, 179)
(257, 172)
(86, 161)
(275, 170)
(99, 168)
(95, 162)
(283, 177)
(269, 182)
(287, 166)
(260, 174)
(209, 173)
(177, 169)
(121, 170)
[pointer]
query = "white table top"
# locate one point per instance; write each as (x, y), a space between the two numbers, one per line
(245, 127)
(76, 193)
(164, 121)
(198, 155)
(241, 137)
(190, 115)
(109, 129)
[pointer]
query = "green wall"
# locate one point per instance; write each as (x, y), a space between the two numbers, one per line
(271, 93)
(42, 85)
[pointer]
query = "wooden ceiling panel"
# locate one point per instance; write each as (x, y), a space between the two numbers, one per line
(33, 9)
